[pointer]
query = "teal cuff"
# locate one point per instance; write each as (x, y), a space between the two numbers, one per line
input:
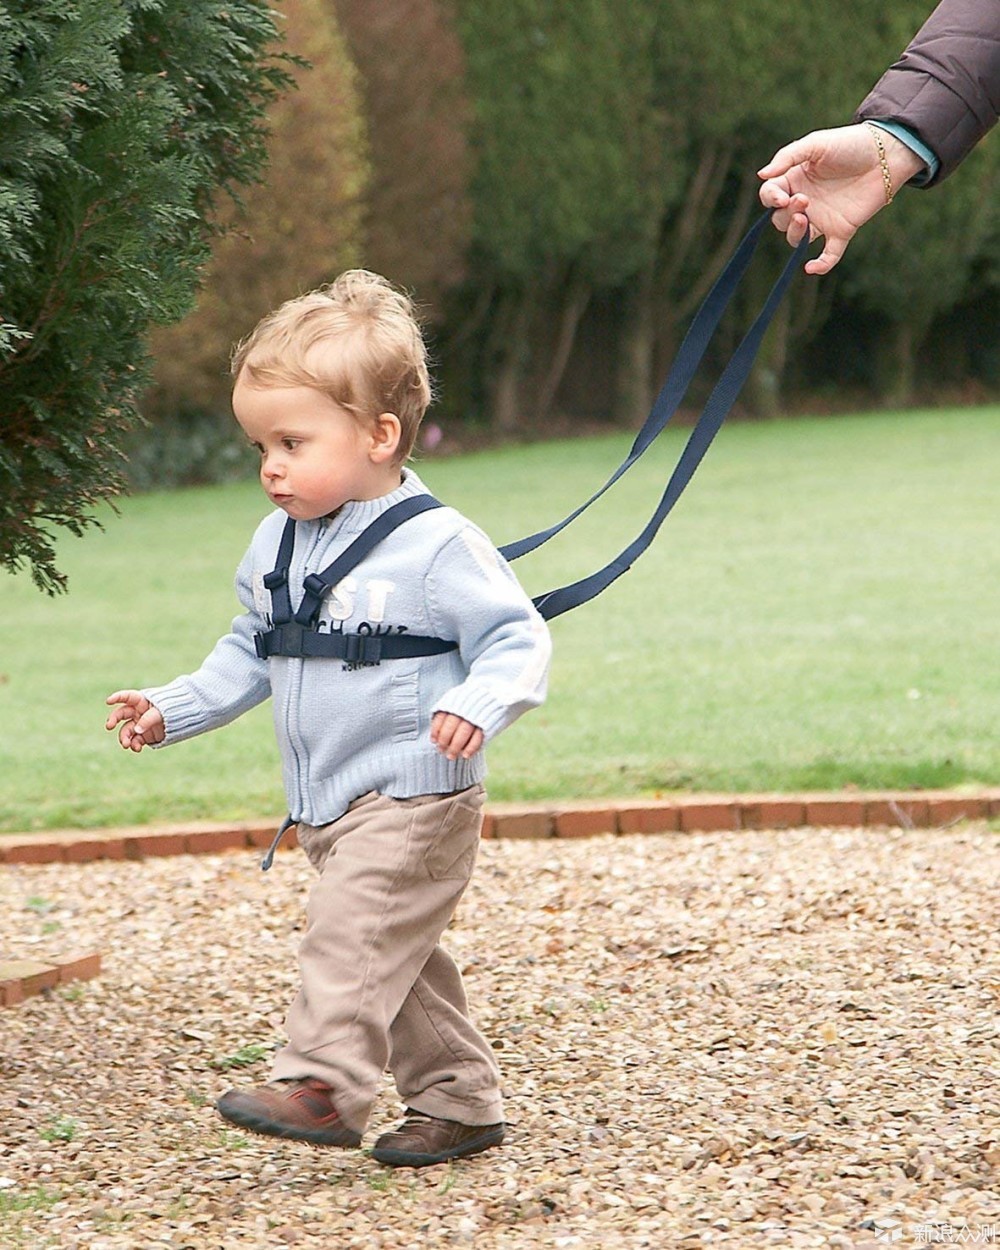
(905, 135)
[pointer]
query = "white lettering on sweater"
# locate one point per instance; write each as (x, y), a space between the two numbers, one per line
(342, 599)
(379, 591)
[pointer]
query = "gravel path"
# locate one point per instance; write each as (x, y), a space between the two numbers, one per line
(747, 1039)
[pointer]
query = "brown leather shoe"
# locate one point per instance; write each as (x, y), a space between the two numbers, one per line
(424, 1139)
(300, 1109)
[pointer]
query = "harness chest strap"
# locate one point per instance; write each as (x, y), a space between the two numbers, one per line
(300, 642)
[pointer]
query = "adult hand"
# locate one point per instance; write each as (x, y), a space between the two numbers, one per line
(141, 722)
(830, 182)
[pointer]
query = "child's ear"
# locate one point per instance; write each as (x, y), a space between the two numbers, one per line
(385, 436)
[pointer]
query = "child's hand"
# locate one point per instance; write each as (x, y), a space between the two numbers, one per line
(140, 721)
(454, 736)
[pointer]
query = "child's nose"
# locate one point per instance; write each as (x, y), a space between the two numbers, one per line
(272, 467)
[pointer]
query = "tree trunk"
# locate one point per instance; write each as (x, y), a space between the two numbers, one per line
(763, 393)
(634, 383)
(574, 298)
(897, 366)
(508, 361)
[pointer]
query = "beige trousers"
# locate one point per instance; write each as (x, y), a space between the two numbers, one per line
(377, 988)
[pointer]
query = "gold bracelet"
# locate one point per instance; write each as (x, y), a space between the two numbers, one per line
(886, 176)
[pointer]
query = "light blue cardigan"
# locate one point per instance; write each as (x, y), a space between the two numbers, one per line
(346, 729)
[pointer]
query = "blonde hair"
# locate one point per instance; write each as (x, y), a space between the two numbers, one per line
(357, 340)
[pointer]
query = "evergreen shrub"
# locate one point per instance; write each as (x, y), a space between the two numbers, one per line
(120, 122)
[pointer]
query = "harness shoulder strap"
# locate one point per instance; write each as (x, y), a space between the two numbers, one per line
(317, 584)
(277, 580)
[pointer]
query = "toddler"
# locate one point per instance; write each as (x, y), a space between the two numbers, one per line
(387, 680)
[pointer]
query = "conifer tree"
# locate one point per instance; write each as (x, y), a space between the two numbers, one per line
(914, 262)
(418, 211)
(570, 177)
(299, 227)
(120, 122)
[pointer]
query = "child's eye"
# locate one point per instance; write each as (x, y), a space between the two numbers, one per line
(290, 444)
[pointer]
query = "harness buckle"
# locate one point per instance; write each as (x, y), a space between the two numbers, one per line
(362, 649)
(290, 640)
(275, 579)
(315, 586)
(260, 646)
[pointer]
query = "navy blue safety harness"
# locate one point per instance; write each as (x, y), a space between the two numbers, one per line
(296, 634)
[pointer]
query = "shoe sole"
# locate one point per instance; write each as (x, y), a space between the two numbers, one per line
(420, 1159)
(269, 1128)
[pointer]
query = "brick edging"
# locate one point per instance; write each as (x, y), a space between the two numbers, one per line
(702, 813)
(20, 979)
(23, 978)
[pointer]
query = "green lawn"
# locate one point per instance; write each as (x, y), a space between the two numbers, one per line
(821, 610)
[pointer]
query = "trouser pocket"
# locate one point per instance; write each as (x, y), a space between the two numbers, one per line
(452, 825)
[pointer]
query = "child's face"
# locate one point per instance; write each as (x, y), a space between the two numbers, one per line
(314, 455)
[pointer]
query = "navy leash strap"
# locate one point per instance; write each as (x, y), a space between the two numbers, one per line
(689, 357)
(554, 602)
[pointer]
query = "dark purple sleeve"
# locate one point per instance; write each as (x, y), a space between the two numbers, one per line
(946, 85)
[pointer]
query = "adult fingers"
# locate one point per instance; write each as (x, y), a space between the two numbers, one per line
(795, 153)
(833, 249)
(782, 202)
(775, 193)
(798, 228)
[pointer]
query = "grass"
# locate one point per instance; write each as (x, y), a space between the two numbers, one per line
(245, 1057)
(820, 610)
(59, 1128)
(37, 1199)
